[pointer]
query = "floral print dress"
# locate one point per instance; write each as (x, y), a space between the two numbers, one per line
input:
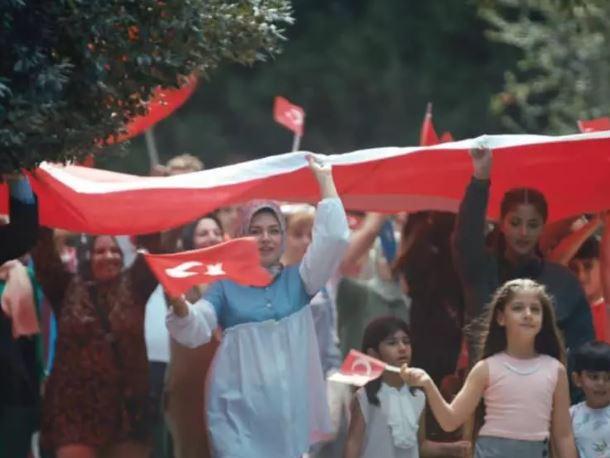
(90, 398)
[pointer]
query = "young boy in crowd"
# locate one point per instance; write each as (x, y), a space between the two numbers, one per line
(586, 265)
(591, 418)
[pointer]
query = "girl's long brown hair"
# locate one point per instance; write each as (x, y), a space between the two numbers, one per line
(491, 336)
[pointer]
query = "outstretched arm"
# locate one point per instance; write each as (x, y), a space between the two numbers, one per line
(450, 416)
(52, 274)
(20, 234)
(469, 236)
(330, 232)
(193, 325)
(362, 239)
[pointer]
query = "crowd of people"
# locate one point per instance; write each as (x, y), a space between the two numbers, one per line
(500, 329)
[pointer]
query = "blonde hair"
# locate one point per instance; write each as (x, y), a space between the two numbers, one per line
(299, 219)
(185, 163)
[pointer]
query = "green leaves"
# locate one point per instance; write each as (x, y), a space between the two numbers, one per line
(562, 73)
(74, 72)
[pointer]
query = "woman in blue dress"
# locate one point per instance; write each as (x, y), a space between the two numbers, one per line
(266, 396)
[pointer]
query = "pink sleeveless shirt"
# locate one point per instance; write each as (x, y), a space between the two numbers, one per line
(519, 397)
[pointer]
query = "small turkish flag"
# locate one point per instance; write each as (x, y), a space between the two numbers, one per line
(428, 135)
(358, 369)
(594, 125)
(237, 259)
(289, 115)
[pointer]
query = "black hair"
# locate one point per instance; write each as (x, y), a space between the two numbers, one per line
(426, 261)
(589, 249)
(496, 241)
(524, 196)
(84, 253)
(188, 232)
(592, 356)
(376, 331)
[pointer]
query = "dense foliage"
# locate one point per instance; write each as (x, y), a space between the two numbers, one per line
(72, 72)
(363, 70)
(564, 62)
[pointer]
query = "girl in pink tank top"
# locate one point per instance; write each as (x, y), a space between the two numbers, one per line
(520, 378)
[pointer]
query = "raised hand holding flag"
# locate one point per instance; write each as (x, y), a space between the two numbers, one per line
(358, 369)
(237, 259)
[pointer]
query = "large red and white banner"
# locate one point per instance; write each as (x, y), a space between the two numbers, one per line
(572, 171)
(236, 259)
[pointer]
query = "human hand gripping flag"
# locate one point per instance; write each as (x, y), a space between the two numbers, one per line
(237, 260)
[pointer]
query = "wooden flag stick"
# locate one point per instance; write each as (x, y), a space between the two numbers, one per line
(296, 142)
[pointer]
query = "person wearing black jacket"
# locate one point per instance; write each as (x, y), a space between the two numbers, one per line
(515, 254)
(20, 234)
(19, 384)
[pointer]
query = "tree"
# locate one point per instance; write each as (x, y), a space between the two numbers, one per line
(363, 70)
(73, 72)
(562, 72)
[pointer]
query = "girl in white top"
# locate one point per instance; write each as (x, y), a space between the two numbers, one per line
(521, 379)
(387, 416)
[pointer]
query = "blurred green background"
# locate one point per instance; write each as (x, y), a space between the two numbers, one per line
(365, 70)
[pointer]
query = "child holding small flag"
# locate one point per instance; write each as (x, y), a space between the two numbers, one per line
(387, 416)
(521, 379)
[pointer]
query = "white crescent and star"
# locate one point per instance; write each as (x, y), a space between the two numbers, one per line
(361, 362)
(184, 270)
(295, 116)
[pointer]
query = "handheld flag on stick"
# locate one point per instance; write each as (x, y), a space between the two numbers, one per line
(162, 103)
(290, 116)
(358, 369)
(237, 259)
(428, 136)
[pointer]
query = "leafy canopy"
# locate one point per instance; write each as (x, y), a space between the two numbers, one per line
(73, 72)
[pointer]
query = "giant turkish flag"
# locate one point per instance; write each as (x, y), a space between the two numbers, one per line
(572, 171)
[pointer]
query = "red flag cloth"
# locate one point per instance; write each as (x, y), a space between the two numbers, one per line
(162, 104)
(378, 179)
(358, 369)
(289, 115)
(428, 136)
(4, 210)
(594, 125)
(446, 137)
(237, 259)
